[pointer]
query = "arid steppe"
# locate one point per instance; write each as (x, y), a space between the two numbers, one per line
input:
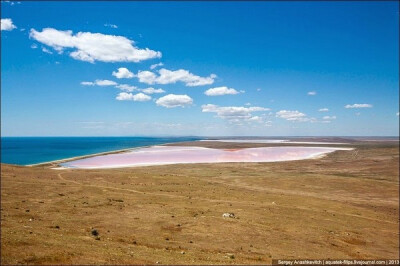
(344, 205)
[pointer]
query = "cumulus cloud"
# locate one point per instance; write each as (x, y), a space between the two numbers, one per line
(294, 116)
(169, 77)
(156, 65)
(152, 90)
(327, 117)
(147, 77)
(290, 115)
(312, 93)
(220, 91)
(105, 82)
(7, 24)
(173, 100)
(123, 73)
(34, 46)
(99, 82)
(126, 87)
(140, 97)
(91, 47)
(256, 118)
(359, 105)
(323, 110)
(234, 113)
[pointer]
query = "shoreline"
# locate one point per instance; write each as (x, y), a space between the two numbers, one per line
(160, 161)
(283, 142)
(90, 155)
(51, 163)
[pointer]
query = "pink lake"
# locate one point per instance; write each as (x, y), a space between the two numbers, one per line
(159, 155)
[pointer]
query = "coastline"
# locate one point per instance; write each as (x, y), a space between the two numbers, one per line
(161, 161)
(55, 163)
(51, 163)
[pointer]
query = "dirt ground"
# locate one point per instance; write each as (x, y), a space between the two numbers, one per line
(344, 205)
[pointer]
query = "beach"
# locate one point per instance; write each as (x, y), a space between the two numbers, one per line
(342, 205)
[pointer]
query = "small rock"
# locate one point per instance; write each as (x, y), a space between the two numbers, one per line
(183, 252)
(27, 210)
(57, 227)
(95, 232)
(273, 203)
(228, 215)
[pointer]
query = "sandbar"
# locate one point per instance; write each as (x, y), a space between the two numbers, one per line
(162, 155)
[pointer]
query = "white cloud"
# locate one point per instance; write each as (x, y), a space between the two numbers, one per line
(126, 87)
(99, 82)
(220, 91)
(256, 118)
(140, 97)
(123, 73)
(359, 105)
(173, 100)
(91, 47)
(247, 104)
(7, 24)
(234, 113)
(168, 77)
(105, 82)
(397, 113)
(111, 26)
(87, 83)
(147, 77)
(323, 110)
(34, 46)
(312, 93)
(327, 117)
(44, 49)
(293, 116)
(152, 90)
(156, 65)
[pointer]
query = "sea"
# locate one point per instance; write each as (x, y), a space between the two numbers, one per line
(33, 150)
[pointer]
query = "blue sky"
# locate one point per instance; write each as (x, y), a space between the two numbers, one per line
(233, 68)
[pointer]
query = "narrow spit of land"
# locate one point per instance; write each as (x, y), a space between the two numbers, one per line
(344, 205)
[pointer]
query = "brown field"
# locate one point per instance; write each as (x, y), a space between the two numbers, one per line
(344, 205)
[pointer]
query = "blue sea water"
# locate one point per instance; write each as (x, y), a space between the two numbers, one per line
(32, 150)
